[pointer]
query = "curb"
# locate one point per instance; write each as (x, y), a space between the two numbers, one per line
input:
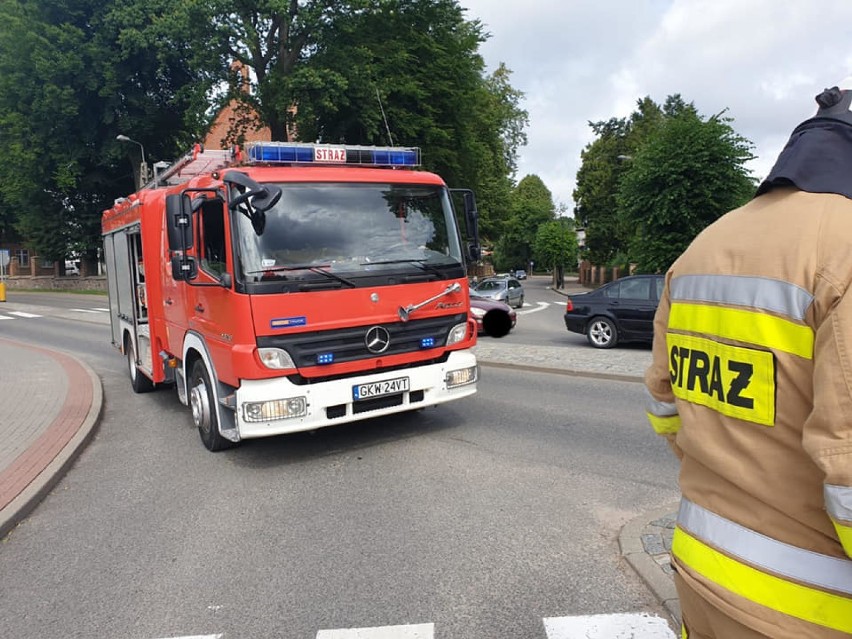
(24, 503)
(651, 562)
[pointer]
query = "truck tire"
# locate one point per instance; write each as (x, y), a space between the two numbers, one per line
(138, 381)
(202, 401)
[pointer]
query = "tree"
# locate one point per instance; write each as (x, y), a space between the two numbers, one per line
(555, 247)
(685, 176)
(73, 76)
(409, 72)
(604, 162)
(531, 205)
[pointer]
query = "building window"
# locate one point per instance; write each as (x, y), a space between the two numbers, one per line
(23, 256)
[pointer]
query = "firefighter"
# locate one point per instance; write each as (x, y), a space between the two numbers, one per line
(751, 383)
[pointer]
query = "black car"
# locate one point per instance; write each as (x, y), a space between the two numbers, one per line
(621, 311)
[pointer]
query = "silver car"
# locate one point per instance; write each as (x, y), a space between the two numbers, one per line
(503, 289)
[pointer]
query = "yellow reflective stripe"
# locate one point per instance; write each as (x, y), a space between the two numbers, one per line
(683, 633)
(844, 533)
(744, 326)
(664, 425)
(815, 606)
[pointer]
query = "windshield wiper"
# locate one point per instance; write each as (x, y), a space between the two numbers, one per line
(419, 263)
(313, 268)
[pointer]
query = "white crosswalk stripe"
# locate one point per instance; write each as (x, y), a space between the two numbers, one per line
(629, 625)
(410, 631)
(2, 317)
(616, 626)
(22, 314)
(90, 310)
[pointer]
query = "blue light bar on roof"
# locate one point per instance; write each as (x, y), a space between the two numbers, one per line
(341, 154)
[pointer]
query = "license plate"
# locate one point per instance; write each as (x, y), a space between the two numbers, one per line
(378, 389)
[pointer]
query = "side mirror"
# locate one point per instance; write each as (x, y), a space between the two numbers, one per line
(179, 222)
(471, 219)
(262, 197)
(183, 268)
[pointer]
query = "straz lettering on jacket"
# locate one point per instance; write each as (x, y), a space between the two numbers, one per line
(735, 381)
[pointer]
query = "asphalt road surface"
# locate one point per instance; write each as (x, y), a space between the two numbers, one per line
(478, 519)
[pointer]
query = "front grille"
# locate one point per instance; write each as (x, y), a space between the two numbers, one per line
(366, 405)
(348, 344)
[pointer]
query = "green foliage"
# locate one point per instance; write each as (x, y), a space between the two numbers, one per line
(72, 76)
(682, 179)
(555, 244)
(408, 72)
(649, 183)
(531, 206)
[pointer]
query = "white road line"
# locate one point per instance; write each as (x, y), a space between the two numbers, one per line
(410, 631)
(2, 317)
(617, 626)
(86, 310)
(98, 308)
(219, 636)
(541, 306)
(22, 314)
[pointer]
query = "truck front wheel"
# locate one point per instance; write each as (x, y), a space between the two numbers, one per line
(202, 402)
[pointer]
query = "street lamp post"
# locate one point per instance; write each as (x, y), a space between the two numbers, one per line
(143, 168)
(159, 166)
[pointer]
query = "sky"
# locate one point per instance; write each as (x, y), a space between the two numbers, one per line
(578, 61)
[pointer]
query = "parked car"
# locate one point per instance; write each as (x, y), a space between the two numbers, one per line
(492, 317)
(521, 274)
(503, 289)
(621, 311)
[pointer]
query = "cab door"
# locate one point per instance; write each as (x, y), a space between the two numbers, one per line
(212, 305)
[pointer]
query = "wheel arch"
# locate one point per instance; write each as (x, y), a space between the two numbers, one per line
(195, 349)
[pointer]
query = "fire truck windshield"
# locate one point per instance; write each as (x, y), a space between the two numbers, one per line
(353, 235)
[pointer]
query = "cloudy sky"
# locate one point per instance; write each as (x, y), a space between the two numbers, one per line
(587, 60)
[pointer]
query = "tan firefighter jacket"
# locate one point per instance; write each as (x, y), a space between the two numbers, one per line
(751, 382)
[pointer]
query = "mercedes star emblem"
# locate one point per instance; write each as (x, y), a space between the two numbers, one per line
(377, 339)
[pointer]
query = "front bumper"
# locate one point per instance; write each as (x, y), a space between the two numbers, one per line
(331, 402)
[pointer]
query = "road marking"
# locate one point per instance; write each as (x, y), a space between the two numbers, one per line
(410, 631)
(219, 636)
(2, 317)
(617, 626)
(541, 306)
(22, 314)
(89, 310)
(105, 310)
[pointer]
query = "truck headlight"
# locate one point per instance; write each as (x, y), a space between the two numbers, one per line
(457, 334)
(275, 409)
(275, 358)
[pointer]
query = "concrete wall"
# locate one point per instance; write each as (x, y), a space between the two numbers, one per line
(49, 282)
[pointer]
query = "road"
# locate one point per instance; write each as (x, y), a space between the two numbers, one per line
(482, 517)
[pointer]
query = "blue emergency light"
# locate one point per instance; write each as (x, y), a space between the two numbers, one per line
(330, 154)
(325, 358)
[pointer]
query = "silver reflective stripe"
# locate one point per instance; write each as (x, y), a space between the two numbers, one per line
(753, 292)
(774, 556)
(660, 409)
(838, 502)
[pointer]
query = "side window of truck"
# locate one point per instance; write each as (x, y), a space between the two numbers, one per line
(212, 241)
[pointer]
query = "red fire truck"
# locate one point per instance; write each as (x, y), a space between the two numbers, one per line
(287, 287)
